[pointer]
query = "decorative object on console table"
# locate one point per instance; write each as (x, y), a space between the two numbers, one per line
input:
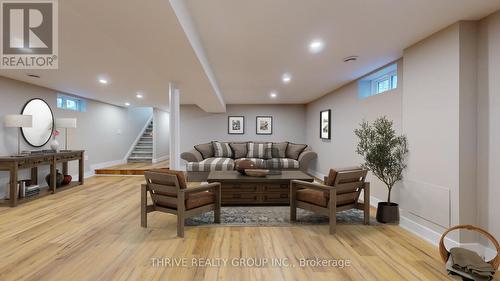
(18, 121)
(59, 179)
(22, 189)
(236, 125)
(385, 156)
(66, 123)
(264, 125)
(325, 124)
(54, 144)
(67, 179)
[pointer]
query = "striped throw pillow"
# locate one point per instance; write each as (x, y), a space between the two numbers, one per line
(260, 150)
(222, 149)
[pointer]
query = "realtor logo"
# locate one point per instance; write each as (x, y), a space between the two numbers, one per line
(29, 35)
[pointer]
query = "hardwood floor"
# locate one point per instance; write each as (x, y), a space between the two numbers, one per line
(93, 232)
(131, 169)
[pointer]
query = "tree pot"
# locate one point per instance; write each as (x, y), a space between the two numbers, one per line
(388, 212)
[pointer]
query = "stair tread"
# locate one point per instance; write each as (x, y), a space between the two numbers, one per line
(143, 150)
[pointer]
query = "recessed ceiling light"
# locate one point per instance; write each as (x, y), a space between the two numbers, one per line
(273, 95)
(127, 104)
(139, 96)
(316, 46)
(103, 81)
(351, 59)
(286, 78)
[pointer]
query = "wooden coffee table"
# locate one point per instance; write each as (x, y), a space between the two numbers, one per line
(237, 189)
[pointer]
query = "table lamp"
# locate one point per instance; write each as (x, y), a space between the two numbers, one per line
(66, 123)
(18, 121)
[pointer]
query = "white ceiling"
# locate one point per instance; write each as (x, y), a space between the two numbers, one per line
(139, 45)
(250, 44)
(237, 48)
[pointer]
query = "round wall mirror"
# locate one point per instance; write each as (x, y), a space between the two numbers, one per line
(43, 122)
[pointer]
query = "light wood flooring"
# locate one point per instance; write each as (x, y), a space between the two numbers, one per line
(92, 232)
(132, 168)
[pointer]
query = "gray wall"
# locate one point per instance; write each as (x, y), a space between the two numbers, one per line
(198, 126)
(161, 132)
(105, 131)
(348, 111)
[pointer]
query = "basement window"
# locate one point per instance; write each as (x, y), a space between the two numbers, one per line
(71, 103)
(379, 82)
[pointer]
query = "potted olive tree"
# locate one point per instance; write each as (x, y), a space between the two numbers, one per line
(385, 155)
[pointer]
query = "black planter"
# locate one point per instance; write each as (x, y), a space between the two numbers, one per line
(388, 212)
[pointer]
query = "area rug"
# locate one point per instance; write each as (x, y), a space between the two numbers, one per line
(272, 216)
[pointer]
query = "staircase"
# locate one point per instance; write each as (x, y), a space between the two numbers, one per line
(143, 150)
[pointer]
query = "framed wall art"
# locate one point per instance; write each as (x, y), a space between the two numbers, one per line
(325, 125)
(236, 125)
(264, 125)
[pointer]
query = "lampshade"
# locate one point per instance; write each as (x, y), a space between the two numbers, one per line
(66, 123)
(18, 121)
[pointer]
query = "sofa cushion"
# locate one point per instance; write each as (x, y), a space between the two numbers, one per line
(206, 150)
(260, 150)
(279, 149)
(222, 149)
(259, 163)
(282, 163)
(294, 150)
(193, 200)
(312, 196)
(239, 149)
(211, 164)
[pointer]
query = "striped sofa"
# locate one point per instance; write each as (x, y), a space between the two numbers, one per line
(224, 156)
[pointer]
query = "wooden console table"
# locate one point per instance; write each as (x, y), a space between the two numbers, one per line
(237, 189)
(13, 164)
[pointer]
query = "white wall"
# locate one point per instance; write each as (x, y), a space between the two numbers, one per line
(104, 131)
(488, 124)
(197, 126)
(161, 133)
(431, 122)
(348, 111)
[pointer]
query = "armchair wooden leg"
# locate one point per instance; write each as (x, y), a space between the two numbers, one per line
(366, 207)
(180, 225)
(217, 206)
(332, 206)
(144, 202)
(293, 203)
(180, 214)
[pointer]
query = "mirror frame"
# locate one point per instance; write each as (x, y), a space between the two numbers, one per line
(53, 122)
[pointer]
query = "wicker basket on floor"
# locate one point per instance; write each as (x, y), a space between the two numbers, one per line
(495, 262)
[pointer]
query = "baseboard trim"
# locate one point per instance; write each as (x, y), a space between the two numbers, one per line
(162, 158)
(107, 164)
